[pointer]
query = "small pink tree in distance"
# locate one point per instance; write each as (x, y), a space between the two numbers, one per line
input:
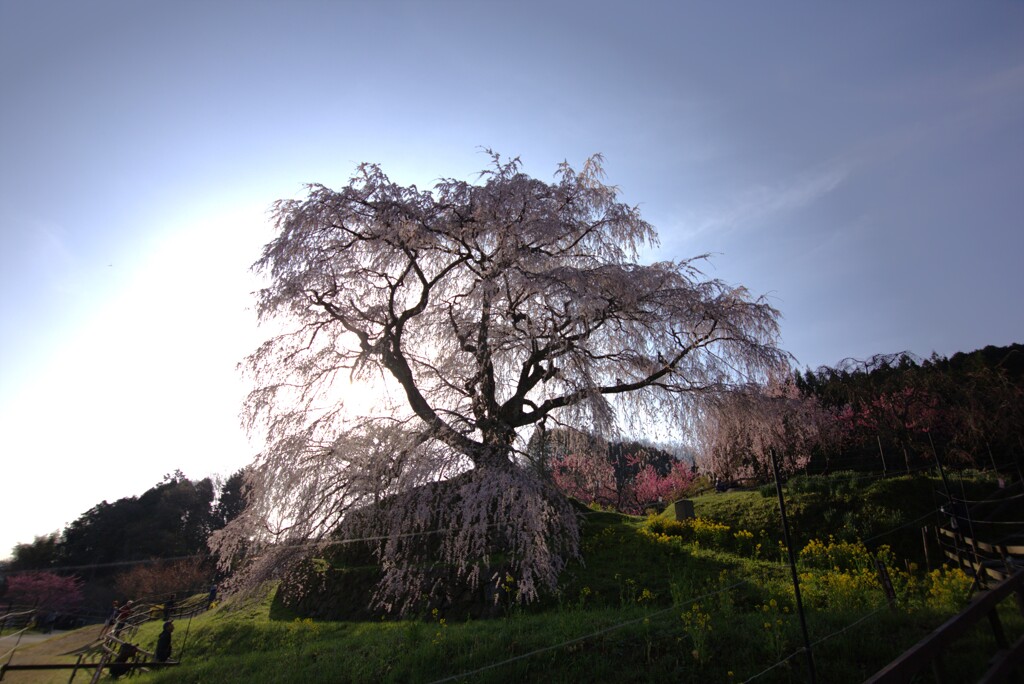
(591, 479)
(650, 487)
(45, 590)
(586, 478)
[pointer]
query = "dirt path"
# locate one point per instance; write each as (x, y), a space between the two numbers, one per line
(45, 649)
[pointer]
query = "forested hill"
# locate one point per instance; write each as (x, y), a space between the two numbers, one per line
(137, 545)
(968, 407)
(1009, 359)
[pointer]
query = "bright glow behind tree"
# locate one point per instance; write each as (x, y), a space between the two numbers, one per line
(494, 307)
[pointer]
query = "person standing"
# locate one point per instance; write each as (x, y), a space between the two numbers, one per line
(163, 643)
(111, 619)
(122, 617)
(169, 607)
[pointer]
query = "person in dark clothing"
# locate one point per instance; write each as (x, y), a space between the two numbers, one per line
(121, 664)
(163, 643)
(112, 619)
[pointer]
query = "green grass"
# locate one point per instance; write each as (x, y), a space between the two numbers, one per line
(652, 647)
(641, 608)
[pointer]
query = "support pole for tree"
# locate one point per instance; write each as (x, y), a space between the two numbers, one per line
(942, 472)
(792, 567)
(884, 469)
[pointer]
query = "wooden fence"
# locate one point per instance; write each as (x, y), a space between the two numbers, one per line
(997, 565)
(929, 650)
(114, 647)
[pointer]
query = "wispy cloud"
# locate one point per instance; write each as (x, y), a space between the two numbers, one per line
(762, 201)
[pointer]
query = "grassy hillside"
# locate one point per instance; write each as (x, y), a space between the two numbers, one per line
(655, 599)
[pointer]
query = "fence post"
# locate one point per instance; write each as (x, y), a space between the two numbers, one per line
(974, 535)
(886, 582)
(99, 667)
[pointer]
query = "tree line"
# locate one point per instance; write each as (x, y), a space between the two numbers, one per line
(136, 545)
(891, 413)
(897, 411)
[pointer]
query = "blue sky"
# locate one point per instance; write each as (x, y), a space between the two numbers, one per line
(861, 164)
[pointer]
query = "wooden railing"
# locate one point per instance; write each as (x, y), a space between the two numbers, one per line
(928, 651)
(108, 646)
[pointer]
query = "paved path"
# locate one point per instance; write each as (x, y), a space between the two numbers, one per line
(8, 642)
(47, 648)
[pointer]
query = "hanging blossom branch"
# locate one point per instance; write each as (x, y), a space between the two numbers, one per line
(740, 429)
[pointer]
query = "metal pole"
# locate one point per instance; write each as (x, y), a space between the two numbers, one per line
(184, 642)
(942, 472)
(991, 457)
(792, 567)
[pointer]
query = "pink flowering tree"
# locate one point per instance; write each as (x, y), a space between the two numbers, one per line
(590, 478)
(651, 487)
(902, 418)
(476, 312)
(45, 590)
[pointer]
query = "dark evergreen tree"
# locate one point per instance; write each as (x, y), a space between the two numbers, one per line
(232, 499)
(42, 554)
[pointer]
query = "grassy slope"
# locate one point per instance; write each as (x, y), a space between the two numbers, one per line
(603, 626)
(844, 505)
(52, 650)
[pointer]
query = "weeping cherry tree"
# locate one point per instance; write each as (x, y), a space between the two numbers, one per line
(740, 429)
(482, 310)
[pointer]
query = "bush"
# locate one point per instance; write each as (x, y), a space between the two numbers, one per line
(162, 577)
(700, 530)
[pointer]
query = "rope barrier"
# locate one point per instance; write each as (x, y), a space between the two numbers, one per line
(16, 645)
(900, 527)
(772, 667)
(10, 654)
(850, 626)
(15, 614)
(569, 642)
(815, 643)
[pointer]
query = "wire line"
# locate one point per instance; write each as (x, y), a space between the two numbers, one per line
(578, 639)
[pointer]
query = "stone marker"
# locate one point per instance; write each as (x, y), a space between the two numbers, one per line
(684, 509)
